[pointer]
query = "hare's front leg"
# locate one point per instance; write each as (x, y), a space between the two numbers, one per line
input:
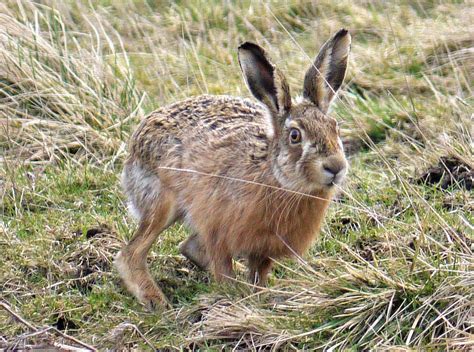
(194, 249)
(259, 267)
(131, 260)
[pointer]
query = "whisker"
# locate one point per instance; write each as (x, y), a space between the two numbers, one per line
(286, 205)
(230, 178)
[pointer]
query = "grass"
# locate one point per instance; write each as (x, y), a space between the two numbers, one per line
(393, 267)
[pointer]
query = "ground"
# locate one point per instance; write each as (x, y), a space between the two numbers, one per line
(393, 265)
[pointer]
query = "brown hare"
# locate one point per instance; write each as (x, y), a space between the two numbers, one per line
(249, 179)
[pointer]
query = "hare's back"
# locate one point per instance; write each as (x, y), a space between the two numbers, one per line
(202, 122)
(208, 113)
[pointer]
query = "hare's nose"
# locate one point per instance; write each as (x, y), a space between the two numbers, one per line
(334, 166)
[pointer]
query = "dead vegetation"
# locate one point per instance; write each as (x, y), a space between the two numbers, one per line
(47, 338)
(61, 95)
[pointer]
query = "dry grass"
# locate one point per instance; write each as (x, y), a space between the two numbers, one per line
(393, 268)
(62, 93)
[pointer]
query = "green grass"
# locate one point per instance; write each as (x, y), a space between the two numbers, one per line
(393, 265)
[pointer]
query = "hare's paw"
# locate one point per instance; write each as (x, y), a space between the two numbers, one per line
(138, 281)
(154, 299)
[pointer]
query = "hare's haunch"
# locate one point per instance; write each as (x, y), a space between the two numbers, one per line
(251, 179)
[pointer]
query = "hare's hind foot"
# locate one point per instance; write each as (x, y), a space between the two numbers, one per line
(139, 282)
(194, 250)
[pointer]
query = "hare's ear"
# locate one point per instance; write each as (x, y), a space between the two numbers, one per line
(264, 80)
(325, 76)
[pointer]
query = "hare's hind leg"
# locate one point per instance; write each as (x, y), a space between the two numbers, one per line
(131, 260)
(194, 249)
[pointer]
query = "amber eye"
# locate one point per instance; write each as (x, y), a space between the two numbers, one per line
(295, 136)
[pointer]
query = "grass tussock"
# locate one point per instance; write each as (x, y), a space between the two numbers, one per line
(393, 267)
(62, 92)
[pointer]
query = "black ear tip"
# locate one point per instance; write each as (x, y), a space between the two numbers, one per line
(341, 33)
(248, 46)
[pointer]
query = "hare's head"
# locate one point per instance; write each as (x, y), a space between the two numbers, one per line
(308, 154)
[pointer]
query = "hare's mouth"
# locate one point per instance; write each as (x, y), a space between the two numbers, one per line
(310, 178)
(334, 179)
(321, 179)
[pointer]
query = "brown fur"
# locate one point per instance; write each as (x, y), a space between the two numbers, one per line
(226, 167)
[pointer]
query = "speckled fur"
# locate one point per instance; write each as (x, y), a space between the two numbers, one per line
(204, 160)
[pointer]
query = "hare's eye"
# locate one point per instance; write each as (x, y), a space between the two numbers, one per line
(295, 136)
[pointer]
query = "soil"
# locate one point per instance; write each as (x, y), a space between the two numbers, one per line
(449, 171)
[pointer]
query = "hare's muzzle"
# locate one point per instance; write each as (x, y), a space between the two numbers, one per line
(334, 168)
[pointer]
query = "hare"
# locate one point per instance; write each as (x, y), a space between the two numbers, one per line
(249, 179)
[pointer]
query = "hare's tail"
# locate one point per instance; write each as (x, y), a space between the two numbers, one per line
(141, 187)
